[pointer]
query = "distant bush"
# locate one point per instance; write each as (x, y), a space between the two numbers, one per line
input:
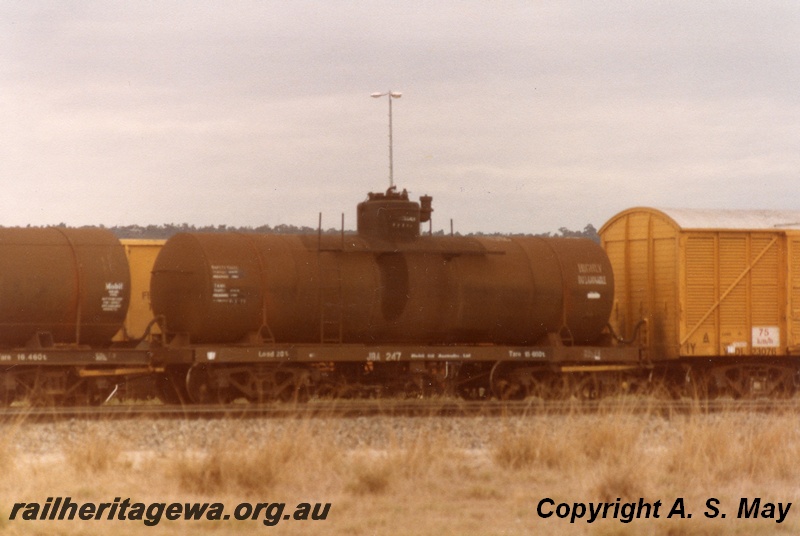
(168, 229)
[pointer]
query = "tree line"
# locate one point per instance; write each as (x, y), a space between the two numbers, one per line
(165, 231)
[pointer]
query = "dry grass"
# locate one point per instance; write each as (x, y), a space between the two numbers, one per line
(729, 450)
(93, 454)
(236, 464)
(419, 477)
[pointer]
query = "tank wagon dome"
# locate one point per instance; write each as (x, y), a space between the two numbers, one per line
(392, 216)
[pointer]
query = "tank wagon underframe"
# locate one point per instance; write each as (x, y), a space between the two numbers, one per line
(395, 353)
(222, 373)
(66, 375)
(208, 374)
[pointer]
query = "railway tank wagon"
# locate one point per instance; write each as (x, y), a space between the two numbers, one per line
(720, 293)
(704, 303)
(387, 310)
(64, 294)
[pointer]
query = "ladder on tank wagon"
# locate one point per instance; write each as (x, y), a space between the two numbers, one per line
(331, 312)
(330, 299)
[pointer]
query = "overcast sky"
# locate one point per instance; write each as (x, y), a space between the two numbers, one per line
(515, 116)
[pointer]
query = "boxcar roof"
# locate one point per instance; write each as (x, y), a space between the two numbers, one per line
(689, 218)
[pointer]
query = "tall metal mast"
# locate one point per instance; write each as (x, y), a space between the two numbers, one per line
(392, 95)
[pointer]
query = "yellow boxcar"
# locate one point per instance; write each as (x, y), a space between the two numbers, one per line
(141, 255)
(708, 282)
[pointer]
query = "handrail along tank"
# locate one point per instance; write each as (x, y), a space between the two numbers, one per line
(61, 286)
(390, 284)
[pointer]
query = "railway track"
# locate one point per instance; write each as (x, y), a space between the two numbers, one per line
(397, 407)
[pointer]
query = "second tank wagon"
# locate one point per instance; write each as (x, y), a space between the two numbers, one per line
(387, 284)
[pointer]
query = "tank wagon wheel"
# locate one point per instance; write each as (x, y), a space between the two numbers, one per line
(171, 386)
(584, 386)
(341, 382)
(268, 383)
(503, 384)
(537, 384)
(258, 384)
(510, 390)
(512, 382)
(202, 387)
(418, 386)
(626, 384)
(471, 382)
(334, 389)
(547, 386)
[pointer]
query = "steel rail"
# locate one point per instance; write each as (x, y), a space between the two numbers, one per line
(397, 407)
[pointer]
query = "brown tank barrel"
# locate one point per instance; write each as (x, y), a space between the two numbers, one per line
(63, 285)
(516, 292)
(223, 287)
(573, 286)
